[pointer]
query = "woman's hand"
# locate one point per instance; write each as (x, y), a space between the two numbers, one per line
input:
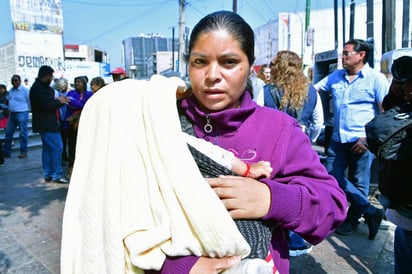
(244, 198)
(213, 265)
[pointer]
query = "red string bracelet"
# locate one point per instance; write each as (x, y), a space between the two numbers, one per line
(247, 172)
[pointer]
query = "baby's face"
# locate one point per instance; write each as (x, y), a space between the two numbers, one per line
(2, 91)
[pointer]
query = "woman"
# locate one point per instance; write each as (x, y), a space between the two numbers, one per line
(61, 87)
(300, 195)
(4, 109)
(264, 73)
(290, 92)
(4, 114)
(78, 98)
(97, 83)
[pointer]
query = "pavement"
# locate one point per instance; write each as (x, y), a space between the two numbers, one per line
(31, 216)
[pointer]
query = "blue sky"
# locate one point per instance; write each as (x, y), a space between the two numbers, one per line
(106, 23)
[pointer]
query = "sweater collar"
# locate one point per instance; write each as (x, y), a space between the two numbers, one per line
(221, 122)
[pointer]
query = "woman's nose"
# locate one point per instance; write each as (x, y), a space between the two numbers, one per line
(213, 73)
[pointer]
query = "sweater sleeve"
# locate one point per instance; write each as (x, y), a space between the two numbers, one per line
(305, 198)
(181, 265)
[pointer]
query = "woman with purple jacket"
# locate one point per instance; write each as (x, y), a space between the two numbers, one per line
(78, 98)
(300, 195)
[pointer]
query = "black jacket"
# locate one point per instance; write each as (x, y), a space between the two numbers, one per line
(44, 108)
(395, 176)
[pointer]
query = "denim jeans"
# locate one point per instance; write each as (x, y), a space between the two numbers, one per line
(403, 251)
(52, 155)
(341, 161)
(16, 119)
(1, 152)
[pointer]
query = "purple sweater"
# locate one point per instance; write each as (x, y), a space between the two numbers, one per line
(305, 198)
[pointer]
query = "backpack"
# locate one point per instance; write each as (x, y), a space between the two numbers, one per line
(389, 134)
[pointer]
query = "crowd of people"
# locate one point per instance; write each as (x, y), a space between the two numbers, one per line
(54, 105)
(277, 178)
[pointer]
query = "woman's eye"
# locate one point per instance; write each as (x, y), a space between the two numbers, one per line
(198, 61)
(230, 62)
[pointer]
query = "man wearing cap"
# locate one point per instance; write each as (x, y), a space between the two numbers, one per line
(118, 74)
(395, 183)
(358, 92)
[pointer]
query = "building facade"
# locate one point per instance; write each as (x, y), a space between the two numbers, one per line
(37, 31)
(288, 32)
(37, 39)
(141, 58)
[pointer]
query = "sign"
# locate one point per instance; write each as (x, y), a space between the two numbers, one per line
(34, 50)
(89, 69)
(37, 16)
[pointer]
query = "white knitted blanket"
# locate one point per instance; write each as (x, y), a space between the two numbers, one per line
(136, 194)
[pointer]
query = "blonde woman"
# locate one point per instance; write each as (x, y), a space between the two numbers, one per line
(290, 91)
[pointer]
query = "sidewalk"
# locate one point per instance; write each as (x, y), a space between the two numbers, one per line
(30, 230)
(30, 217)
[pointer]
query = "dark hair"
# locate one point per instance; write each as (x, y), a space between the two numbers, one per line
(16, 76)
(3, 86)
(402, 69)
(82, 79)
(45, 71)
(98, 81)
(361, 45)
(233, 24)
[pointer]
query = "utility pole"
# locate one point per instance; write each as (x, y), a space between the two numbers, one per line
(289, 34)
(352, 19)
(181, 58)
(369, 31)
(369, 19)
(305, 32)
(388, 29)
(335, 17)
(173, 48)
(307, 15)
(405, 23)
(343, 21)
(235, 6)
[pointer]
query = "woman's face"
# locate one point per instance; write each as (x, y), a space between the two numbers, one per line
(15, 81)
(266, 73)
(218, 71)
(79, 85)
(95, 87)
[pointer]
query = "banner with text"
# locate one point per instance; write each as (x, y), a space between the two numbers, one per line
(34, 50)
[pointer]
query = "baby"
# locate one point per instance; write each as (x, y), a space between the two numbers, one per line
(228, 159)
(218, 154)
